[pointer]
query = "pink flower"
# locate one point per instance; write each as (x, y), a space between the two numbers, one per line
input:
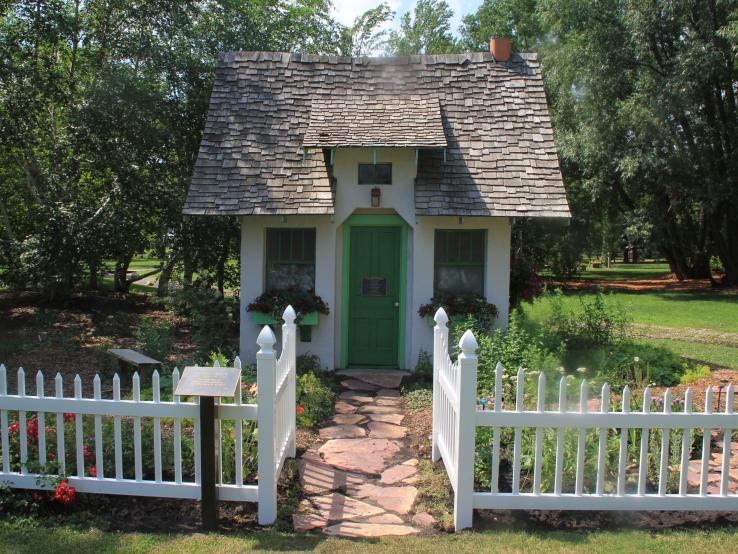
(13, 427)
(300, 410)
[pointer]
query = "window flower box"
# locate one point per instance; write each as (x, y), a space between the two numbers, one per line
(263, 318)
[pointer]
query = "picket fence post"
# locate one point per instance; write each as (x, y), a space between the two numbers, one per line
(289, 349)
(266, 370)
(465, 432)
(440, 330)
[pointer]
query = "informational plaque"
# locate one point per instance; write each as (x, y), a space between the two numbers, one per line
(374, 286)
(208, 381)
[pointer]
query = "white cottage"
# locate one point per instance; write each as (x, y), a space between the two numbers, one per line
(377, 182)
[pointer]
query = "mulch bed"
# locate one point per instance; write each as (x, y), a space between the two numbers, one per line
(666, 283)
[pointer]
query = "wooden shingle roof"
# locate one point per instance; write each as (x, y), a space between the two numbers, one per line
(375, 120)
(261, 151)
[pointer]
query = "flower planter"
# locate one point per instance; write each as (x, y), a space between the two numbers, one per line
(261, 318)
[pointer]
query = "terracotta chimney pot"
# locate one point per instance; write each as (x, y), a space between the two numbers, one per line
(500, 47)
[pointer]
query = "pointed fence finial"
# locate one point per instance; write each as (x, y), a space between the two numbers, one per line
(468, 343)
(237, 362)
(440, 318)
(266, 339)
(289, 315)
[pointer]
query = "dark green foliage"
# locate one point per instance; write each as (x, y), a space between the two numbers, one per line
(314, 400)
(155, 337)
(426, 31)
(213, 317)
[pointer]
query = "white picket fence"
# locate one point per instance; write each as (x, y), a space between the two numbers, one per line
(620, 486)
(274, 414)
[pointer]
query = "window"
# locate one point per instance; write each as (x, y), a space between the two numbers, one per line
(290, 259)
(375, 174)
(459, 262)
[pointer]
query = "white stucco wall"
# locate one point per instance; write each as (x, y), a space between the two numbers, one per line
(350, 197)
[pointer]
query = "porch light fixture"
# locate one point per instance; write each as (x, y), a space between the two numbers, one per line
(376, 194)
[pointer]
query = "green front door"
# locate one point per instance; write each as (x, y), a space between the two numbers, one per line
(374, 296)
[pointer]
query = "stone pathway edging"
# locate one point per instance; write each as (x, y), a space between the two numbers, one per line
(359, 482)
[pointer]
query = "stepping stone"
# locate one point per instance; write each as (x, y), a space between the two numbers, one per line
(388, 402)
(337, 507)
(369, 530)
(394, 499)
(354, 384)
(424, 519)
(370, 456)
(395, 419)
(411, 462)
(320, 478)
(372, 409)
(380, 430)
(307, 522)
(345, 408)
(397, 473)
(411, 480)
(388, 393)
(342, 432)
(383, 379)
(348, 419)
(386, 518)
(353, 396)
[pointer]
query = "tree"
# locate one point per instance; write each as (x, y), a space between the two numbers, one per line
(366, 35)
(426, 31)
(517, 19)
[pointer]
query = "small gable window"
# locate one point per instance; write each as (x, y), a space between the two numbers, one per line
(459, 261)
(290, 259)
(375, 174)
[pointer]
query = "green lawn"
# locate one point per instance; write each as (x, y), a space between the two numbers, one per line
(17, 538)
(624, 271)
(712, 312)
(699, 310)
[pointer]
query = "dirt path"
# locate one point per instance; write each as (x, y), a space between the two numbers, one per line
(665, 283)
(359, 482)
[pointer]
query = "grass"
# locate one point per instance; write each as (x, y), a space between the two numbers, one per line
(697, 310)
(627, 271)
(723, 356)
(715, 312)
(32, 538)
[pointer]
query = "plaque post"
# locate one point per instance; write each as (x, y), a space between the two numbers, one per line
(207, 467)
(208, 383)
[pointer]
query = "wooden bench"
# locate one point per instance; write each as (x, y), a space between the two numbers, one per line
(131, 358)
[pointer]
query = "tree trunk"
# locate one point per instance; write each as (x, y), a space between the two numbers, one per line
(121, 274)
(94, 271)
(166, 275)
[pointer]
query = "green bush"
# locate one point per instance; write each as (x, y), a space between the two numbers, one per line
(514, 347)
(424, 368)
(640, 365)
(307, 363)
(155, 338)
(212, 317)
(315, 399)
(694, 374)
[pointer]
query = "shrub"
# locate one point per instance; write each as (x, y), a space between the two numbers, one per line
(640, 365)
(694, 374)
(514, 347)
(307, 363)
(424, 368)
(155, 337)
(600, 321)
(212, 317)
(314, 400)
(418, 397)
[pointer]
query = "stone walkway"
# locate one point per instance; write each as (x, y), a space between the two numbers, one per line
(360, 481)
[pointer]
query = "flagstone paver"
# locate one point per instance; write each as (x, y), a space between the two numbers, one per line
(349, 419)
(342, 432)
(358, 483)
(379, 430)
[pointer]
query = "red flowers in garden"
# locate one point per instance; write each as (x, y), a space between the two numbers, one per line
(92, 471)
(300, 410)
(64, 493)
(32, 428)
(68, 417)
(13, 428)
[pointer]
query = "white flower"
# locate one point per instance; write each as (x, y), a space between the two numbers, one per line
(636, 359)
(562, 370)
(582, 370)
